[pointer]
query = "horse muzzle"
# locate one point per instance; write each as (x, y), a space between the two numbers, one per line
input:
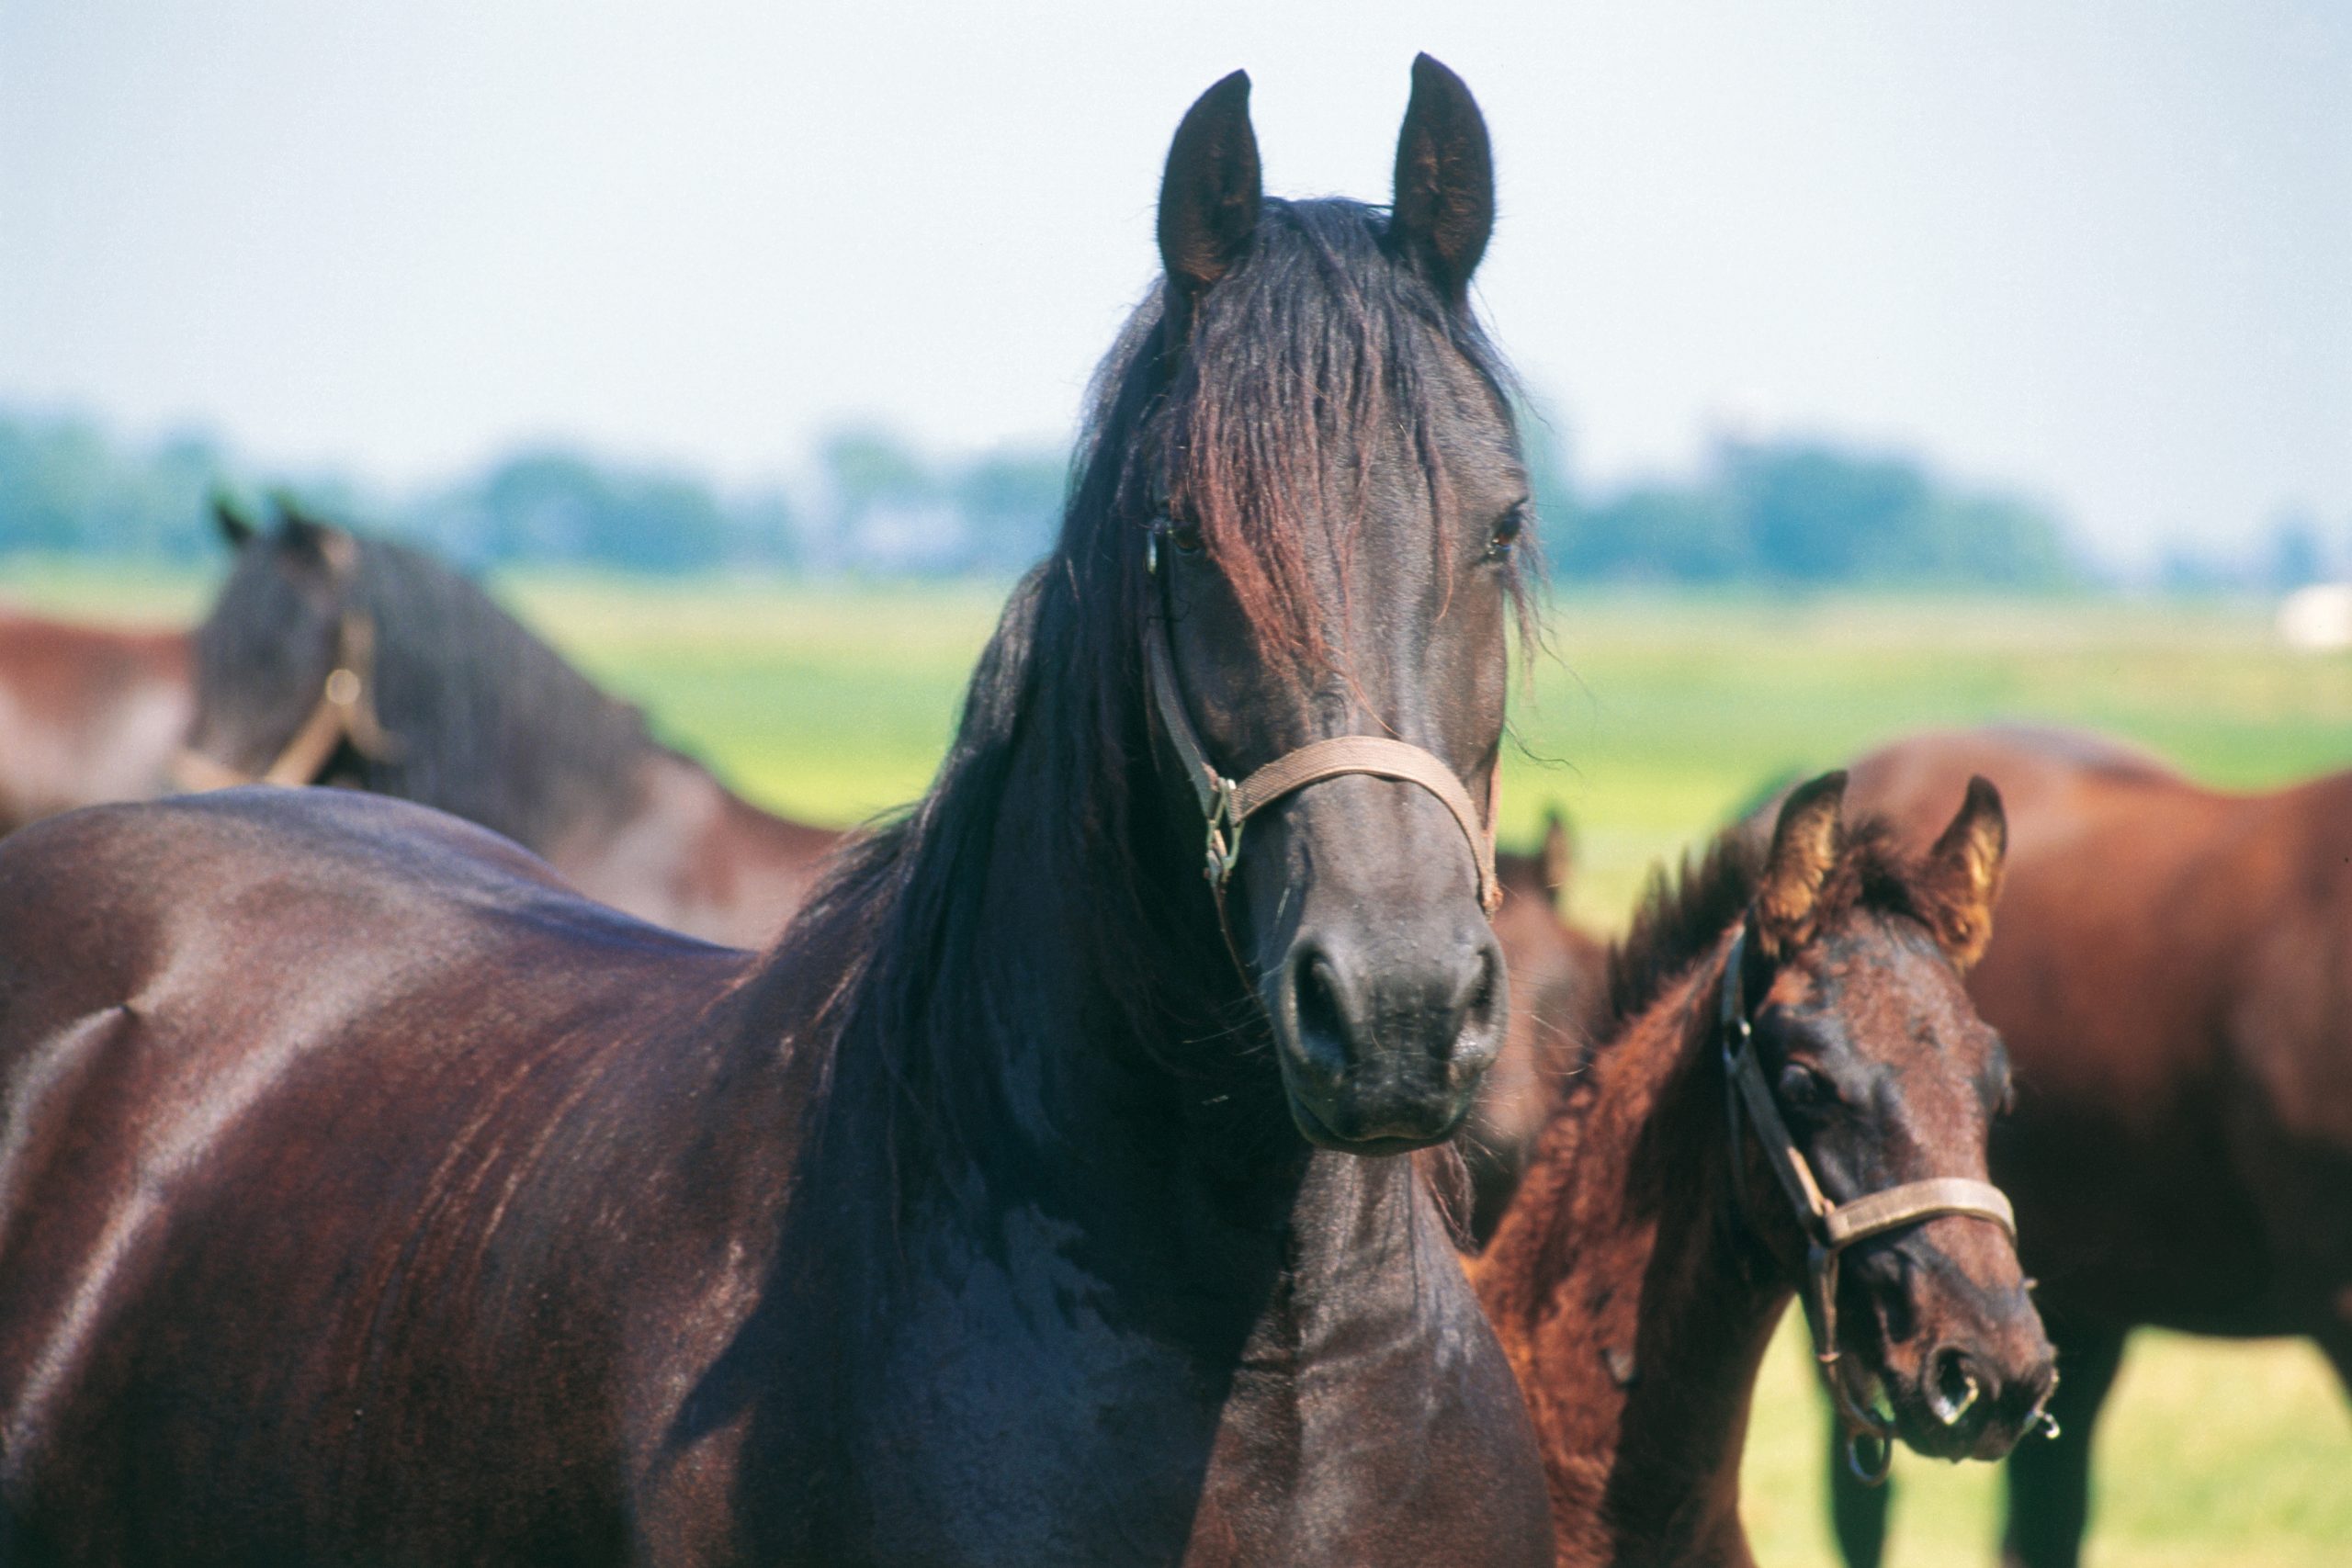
(1383, 1040)
(1973, 1377)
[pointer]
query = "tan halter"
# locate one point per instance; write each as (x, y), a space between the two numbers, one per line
(1829, 1227)
(344, 710)
(1228, 804)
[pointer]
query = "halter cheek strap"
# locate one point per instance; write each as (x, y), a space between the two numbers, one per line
(344, 710)
(1227, 804)
(1830, 1227)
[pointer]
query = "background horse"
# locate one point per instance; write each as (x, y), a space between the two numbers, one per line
(1637, 1279)
(2172, 980)
(366, 1196)
(1558, 992)
(454, 704)
(87, 713)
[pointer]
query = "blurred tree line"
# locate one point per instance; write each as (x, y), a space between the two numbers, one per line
(1785, 512)
(874, 505)
(1795, 510)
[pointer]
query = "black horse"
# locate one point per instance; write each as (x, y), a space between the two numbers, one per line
(364, 1196)
(333, 659)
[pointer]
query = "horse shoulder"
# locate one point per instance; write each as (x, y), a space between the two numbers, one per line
(384, 1062)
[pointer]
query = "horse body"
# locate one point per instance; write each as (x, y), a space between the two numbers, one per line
(528, 1284)
(87, 714)
(366, 1195)
(347, 1157)
(2173, 980)
(1637, 1277)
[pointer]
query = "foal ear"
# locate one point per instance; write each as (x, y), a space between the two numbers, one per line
(1964, 873)
(1559, 853)
(1210, 194)
(236, 528)
(1444, 205)
(1804, 846)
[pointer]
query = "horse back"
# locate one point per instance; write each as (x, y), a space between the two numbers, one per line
(301, 1091)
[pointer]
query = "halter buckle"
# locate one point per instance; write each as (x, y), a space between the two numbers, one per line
(1224, 830)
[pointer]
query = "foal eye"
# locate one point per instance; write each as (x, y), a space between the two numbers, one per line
(1507, 529)
(1801, 1088)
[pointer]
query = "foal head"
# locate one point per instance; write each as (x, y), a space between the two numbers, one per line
(1330, 500)
(1884, 1076)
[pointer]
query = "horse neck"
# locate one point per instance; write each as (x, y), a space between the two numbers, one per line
(1123, 1080)
(1631, 1301)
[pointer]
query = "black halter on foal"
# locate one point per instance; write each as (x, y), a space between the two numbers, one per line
(343, 712)
(1227, 804)
(1831, 1228)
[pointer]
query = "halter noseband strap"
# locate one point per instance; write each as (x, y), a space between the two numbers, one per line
(1227, 804)
(344, 711)
(1830, 1227)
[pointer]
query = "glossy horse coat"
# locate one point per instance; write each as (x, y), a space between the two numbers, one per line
(367, 1197)
(483, 719)
(2171, 975)
(1637, 1278)
(87, 714)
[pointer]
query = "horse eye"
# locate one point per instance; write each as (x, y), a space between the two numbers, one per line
(1507, 529)
(1185, 536)
(1801, 1088)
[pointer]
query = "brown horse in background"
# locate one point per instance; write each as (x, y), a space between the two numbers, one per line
(1637, 1279)
(87, 714)
(1559, 993)
(449, 701)
(366, 1196)
(2174, 979)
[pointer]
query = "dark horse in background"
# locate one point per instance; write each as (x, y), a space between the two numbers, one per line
(454, 704)
(1638, 1275)
(2174, 979)
(366, 1196)
(87, 714)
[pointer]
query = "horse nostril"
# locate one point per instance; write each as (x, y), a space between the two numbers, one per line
(1480, 1011)
(1323, 1035)
(1952, 1385)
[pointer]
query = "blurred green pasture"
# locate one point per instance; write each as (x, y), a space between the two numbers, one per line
(1649, 719)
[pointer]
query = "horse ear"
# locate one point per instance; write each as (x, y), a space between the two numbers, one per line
(1804, 846)
(1965, 872)
(236, 528)
(1444, 205)
(298, 531)
(1210, 194)
(1559, 853)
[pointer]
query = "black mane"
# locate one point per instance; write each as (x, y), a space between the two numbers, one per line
(493, 725)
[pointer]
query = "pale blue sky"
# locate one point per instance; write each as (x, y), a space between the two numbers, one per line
(2102, 251)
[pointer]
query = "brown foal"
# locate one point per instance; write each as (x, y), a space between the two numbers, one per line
(1637, 1279)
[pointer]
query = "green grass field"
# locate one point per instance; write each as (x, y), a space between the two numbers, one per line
(1656, 717)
